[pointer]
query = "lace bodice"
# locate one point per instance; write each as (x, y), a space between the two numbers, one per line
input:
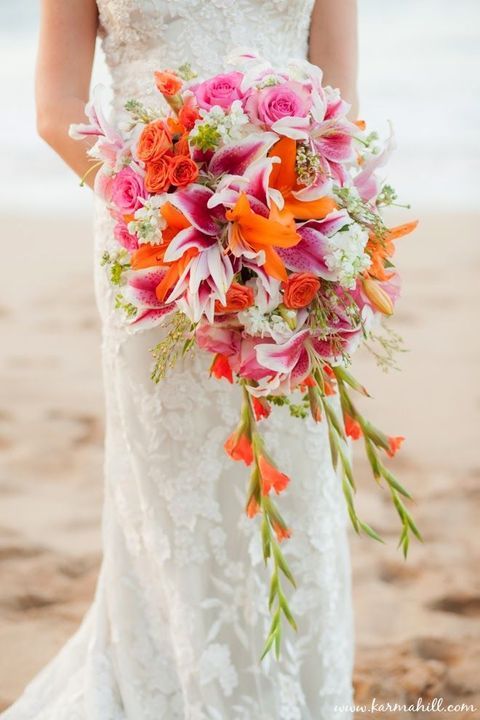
(140, 36)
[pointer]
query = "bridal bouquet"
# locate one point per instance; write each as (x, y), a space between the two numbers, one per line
(247, 220)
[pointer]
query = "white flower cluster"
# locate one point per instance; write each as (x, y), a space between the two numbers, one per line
(259, 324)
(346, 257)
(149, 223)
(229, 125)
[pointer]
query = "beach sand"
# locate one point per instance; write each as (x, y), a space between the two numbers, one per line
(417, 624)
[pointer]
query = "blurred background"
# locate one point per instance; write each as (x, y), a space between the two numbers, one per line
(417, 622)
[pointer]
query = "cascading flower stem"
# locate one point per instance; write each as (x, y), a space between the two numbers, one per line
(273, 531)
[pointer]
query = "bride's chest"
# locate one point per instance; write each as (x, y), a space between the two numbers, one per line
(146, 14)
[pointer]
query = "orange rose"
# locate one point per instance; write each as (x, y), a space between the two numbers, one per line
(239, 297)
(183, 171)
(168, 83)
(157, 179)
(300, 289)
(154, 142)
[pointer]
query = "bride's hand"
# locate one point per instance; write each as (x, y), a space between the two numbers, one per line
(68, 33)
(334, 46)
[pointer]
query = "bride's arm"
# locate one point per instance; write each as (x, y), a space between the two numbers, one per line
(333, 45)
(64, 66)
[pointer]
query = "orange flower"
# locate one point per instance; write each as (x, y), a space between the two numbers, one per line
(307, 383)
(271, 477)
(239, 297)
(168, 83)
(377, 296)
(183, 171)
(157, 178)
(150, 255)
(329, 388)
(352, 427)
(258, 233)
(382, 249)
(253, 508)
(221, 368)
(261, 408)
(300, 289)
(281, 531)
(188, 114)
(239, 447)
(328, 371)
(181, 146)
(284, 178)
(394, 443)
(154, 142)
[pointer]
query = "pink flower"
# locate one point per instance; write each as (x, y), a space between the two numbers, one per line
(220, 90)
(272, 105)
(103, 185)
(123, 237)
(127, 189)
(219, 339)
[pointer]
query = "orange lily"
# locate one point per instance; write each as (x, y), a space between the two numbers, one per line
(381, 250)
(284, 179)
(258, 233)
(149, 255)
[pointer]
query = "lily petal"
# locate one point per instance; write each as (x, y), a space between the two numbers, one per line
(234, 159)
(193, 204)
(185, 239)
(282, 357)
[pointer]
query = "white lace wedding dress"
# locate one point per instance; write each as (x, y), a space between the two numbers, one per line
(180, 614)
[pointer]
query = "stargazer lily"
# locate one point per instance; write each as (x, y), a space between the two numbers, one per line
(207, 273)
(291, 361)
(309, 253)
(140, 291)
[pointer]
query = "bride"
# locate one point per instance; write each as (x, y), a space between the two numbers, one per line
(180, 613)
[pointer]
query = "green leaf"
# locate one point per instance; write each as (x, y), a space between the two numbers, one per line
(371, 532)
(287, 612)
(282, 564)
(393, 482)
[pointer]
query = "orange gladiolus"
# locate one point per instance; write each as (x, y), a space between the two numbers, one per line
(395, 443)
(281, 531)
(329, 388)
(262, 234)
(352, 428)
(261, 408)
(239, 447)
(221, 368)
(253, 508)
(271, 477)
(284, 178)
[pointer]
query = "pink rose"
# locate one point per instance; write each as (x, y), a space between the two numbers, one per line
(270, 104)
(217, 339)
(123, 237)
(221, 90)
(127, 189)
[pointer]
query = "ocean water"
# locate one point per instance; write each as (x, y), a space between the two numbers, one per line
(419, 68)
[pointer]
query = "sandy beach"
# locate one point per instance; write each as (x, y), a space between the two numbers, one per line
(416, 622)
